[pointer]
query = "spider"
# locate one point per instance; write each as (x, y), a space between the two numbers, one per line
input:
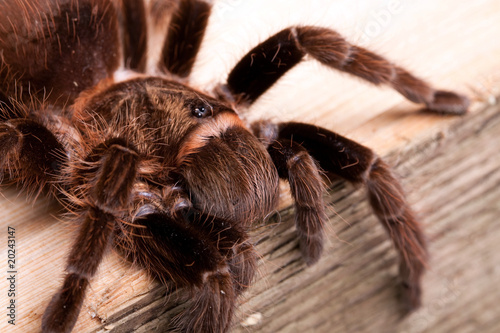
(169, 175)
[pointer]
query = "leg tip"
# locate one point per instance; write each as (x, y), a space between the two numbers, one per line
(447, 102)
(311, 249)
(410, 297)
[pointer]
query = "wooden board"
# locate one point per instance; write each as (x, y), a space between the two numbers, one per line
(450, 167)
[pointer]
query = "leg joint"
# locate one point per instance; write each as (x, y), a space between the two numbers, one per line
(116, 165)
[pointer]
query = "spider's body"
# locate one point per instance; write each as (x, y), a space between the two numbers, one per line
(171, 175)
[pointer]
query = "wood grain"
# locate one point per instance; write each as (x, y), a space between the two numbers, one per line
(450, 167)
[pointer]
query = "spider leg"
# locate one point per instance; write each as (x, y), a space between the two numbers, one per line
(357, 164)
(261, 67)
(209, 255)
(184, 36)
(243, 264)
(296, 165)
(109, 183)
(135, 34)
(31, 153)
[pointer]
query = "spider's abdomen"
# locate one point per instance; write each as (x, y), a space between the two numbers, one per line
(53, 50)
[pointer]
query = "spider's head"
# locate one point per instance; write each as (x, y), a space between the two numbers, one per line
(197, 140)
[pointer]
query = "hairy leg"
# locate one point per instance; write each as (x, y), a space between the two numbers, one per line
(261, 67)
(358, 164)
(208, 255)
(109, 174)
(31, 153)
(184, 37)
(296, 165)
(134, 34)
(243, 265)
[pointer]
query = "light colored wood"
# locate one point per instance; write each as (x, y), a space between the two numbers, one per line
(449, 166)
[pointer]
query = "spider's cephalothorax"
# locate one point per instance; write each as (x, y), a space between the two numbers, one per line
(168, 174)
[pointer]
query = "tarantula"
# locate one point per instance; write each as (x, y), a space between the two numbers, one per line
(170, 175)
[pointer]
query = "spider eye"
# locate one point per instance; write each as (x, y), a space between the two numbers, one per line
(199, 111)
